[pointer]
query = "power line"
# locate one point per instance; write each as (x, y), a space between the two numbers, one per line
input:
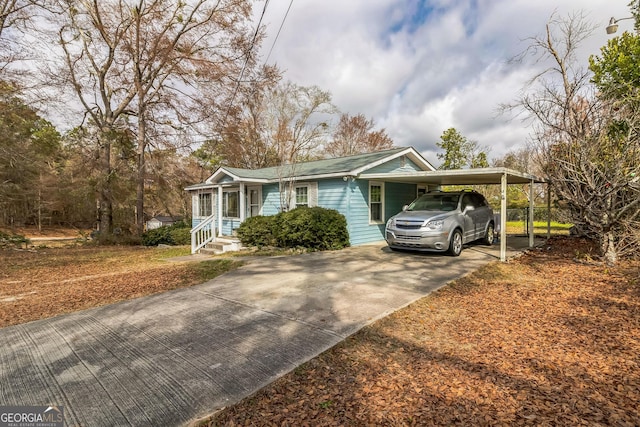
(246, 62)
(279, 29)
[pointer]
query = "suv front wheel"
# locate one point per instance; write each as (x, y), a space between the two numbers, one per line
(455, 245)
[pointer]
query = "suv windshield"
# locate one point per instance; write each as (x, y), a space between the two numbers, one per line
(435, 202)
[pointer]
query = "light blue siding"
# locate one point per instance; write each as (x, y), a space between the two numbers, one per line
(401, 164)
(360, 231)
(350, 198)
(270, 199)
(396, 195)
(333, 194)
(225, 179)
(229, 225)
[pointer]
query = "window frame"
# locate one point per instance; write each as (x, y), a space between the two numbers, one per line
(202, 204)
(306, 193)
(225, 204)
(257, 204)
(381, 203)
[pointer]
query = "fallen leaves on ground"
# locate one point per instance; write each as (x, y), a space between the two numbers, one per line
(36, 284)
(541, 340)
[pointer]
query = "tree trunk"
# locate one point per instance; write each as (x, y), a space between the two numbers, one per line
(142, 169)
(106, 203)
(608, 248)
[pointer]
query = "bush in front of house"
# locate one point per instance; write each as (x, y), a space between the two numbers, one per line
(174, 234)
(312, 228)
(180, 236)
(257, 231)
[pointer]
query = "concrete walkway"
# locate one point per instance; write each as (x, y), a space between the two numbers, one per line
(171, 358)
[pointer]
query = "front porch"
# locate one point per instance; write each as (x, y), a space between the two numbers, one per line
(231, 204)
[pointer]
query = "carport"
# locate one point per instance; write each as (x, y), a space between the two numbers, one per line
(484, 176)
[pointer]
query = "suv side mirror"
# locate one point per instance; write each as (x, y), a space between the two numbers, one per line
(469, 208)
(405, 207)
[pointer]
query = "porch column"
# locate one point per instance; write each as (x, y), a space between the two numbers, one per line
(242, 205)
(219, 211)
(503, 217)
(532, 235)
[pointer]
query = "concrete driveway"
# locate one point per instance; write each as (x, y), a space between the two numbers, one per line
(171, 358)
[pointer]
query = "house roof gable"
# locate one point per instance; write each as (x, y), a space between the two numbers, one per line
(349, 165)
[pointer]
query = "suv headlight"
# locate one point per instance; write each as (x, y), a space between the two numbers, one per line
(391, 223)
(435, 225)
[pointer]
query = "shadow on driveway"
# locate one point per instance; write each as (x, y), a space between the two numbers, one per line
(170, 358)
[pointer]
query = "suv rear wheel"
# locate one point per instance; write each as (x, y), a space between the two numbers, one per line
(455, 245)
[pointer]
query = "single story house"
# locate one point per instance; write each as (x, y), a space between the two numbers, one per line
(230, 195)
(367, 189)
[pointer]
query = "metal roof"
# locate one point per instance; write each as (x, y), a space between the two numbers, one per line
(317, 169)
(459, 177)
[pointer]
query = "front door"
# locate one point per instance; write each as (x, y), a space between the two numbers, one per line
(254, 201)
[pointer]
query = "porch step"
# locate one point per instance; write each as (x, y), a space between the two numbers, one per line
(221, 245)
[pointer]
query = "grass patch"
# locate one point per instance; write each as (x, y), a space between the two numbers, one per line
(539, 227)
(173, 251)
(207, 270)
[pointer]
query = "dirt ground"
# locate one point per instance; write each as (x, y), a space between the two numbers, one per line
(550, 338)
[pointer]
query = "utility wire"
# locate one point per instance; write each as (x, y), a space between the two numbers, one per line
(279, 29)
(246, 62)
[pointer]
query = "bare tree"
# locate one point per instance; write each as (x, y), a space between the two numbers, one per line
(13, 13)
(247, 140)
(590, 165)
(297, 120)
(355, 135)
(150, 64)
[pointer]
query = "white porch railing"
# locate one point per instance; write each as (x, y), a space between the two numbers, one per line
(203, 233)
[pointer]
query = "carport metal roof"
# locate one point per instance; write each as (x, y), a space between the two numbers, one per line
(460, 177)
(483, 176)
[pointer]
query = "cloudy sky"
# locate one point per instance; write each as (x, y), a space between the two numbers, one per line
(419, 67)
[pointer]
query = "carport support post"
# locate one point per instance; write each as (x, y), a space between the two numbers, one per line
(531, 208)
(503, 218)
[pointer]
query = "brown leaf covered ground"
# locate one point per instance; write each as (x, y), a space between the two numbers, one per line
(541, 340)
(41, 283)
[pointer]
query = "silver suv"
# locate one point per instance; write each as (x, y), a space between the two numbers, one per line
(442, 221)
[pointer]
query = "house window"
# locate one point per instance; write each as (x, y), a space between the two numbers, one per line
(204, 204)
(302, 196)
(254, 202)
(230, 205)
(376, 203)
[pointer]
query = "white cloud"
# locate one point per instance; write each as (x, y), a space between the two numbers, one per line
(420, 67)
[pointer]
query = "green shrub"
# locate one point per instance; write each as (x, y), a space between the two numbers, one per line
(175, 234)
(257, 231)
(180, 236)
(312, 228)
(16, 240)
